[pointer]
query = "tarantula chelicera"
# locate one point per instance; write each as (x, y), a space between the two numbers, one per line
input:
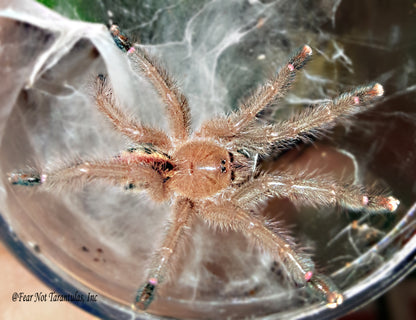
(212, 173)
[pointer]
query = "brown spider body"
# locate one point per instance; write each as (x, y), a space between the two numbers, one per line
(198, 169)
(203, 169)
(212, 174)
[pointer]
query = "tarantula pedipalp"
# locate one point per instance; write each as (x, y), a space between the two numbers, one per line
(212, 173)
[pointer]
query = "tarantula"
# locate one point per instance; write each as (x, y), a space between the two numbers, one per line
(213, 173)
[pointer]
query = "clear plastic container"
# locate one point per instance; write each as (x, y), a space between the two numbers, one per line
(97, 240)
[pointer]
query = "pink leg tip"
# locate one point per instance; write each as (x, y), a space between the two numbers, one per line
(356, 100)
(392, 204)
(307, 51)
(290, 67)
(378, 90)
(308, 276)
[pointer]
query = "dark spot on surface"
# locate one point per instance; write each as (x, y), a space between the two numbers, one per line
(168, 166)
(94, 53)
(232, 175)
(99, 250)
(85, 249)
(252, 292)
(129, 186)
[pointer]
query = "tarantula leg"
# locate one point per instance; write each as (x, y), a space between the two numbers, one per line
(225, 215)
(124, 123)
(146, 294)
(117, 171)
(163, 261)
(177, 104)
(320, 118)
(272, 91)
(304, 189)
(265, 97)
(120, 38)
(326, 289)
(29, 179)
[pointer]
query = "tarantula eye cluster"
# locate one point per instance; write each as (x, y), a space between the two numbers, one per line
(212, 174)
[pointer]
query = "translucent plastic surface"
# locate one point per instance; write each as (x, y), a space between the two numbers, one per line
(98, 239)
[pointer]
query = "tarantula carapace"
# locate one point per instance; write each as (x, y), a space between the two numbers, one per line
(213, 174)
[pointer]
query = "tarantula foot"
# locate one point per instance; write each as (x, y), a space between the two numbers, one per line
(390, 203)
(26, 179)
(146, 294)
(361, 95)
(376, 90)
(120, 38)
(381, 203)
(334, 299)
(327, 290)
(102, 78)
(300, 58)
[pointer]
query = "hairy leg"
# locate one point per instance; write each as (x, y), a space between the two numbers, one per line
(304, 189)
(311, 123)
(122, 122)
(163, 261)
(115, 172)
(177, 104)
(265, 97)
(228, 215)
